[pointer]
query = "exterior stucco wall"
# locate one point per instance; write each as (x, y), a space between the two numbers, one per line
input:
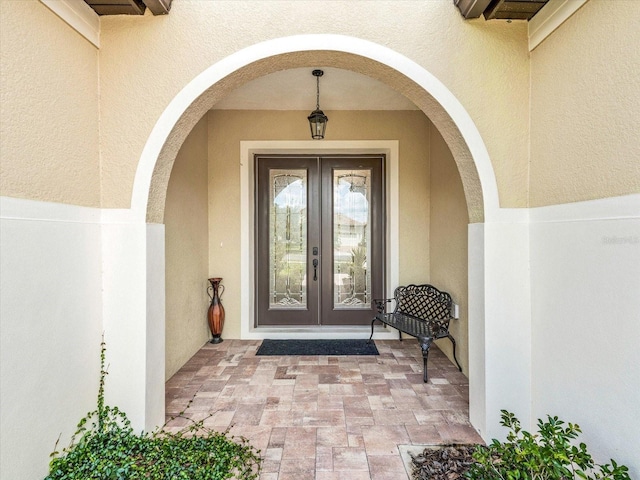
(585, 259)
(138, 82)
(228, 127)
(49, 114)
(585, 115)
(187, 251)
(585, 106)
(136, 88)
(50, 89)
(51, 322)
(448, 243)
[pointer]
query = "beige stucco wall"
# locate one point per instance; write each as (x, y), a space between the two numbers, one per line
(146, 61)
(585, 106)
(187, 251)
(584, 100)
(49, 108)
(228, 127)
(448, 243)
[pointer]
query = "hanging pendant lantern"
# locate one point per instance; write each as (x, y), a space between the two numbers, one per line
(317, 120)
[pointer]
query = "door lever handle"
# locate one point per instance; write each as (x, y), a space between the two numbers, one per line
(315, 269)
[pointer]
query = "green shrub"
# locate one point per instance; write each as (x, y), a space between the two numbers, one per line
(105, 447)
(548, 455)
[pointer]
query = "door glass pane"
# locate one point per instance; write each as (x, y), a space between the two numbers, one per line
(351, 238)
(287, 238)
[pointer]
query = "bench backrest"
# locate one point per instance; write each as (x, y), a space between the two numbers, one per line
(423, 301)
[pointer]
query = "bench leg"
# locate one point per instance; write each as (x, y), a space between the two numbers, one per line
(453, 342)
(425, 344)
(371, 336)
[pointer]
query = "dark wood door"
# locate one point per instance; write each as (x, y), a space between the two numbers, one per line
(319, 239)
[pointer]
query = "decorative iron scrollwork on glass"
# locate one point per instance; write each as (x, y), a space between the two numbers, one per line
(351, 238)
(288, 240)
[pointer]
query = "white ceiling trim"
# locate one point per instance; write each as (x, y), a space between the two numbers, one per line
(549, 19)
(79, 16)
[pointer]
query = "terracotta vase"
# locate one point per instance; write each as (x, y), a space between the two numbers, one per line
(215, 315)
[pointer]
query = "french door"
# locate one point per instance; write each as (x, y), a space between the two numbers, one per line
(319, 239)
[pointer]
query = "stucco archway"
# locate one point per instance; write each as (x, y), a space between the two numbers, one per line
(376, 61)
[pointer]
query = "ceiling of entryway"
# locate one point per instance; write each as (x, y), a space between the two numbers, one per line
(295, 89)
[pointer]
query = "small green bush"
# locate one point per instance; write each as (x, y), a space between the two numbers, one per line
(548, 455)
(105, 447)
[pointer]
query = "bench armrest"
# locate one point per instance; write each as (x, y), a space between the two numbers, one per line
(381, 303)
(440, 326)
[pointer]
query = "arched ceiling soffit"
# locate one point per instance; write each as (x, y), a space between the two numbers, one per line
(348, 61)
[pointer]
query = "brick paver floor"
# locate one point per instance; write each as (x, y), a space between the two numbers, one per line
(325, 417)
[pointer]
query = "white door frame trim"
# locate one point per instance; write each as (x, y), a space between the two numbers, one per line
(247, 221)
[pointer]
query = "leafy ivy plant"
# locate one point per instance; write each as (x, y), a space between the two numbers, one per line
(105, 446)
(551, 454)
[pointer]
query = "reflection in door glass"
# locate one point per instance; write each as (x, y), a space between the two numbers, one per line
(287, 238)
(351, 238)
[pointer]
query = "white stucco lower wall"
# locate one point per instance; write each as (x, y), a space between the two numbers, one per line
(553, 322)
(68, 275)
(155, 326)
(506, 329)
(51, 324)
(477, 377)
(134, 316)
(585, 292)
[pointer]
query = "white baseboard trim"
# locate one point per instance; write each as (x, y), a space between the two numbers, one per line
(320, 333)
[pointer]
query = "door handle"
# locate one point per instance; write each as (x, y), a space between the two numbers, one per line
(315, 269)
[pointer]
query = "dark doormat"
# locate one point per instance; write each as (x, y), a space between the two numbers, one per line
(317, 347)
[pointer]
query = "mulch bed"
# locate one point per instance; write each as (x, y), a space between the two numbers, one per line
(445, 462)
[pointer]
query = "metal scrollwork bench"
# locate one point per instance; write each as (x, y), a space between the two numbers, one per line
(421, 311)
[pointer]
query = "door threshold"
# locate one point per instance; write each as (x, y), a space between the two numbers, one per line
(329, 332)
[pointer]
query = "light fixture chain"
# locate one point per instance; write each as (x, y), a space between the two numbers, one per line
(317, 119)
